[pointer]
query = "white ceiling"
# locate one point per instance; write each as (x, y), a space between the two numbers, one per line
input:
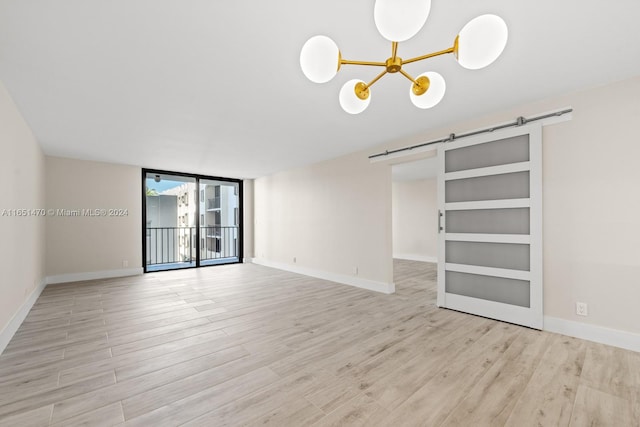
(215, 87)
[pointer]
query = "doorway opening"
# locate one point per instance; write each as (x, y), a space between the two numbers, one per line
(414, 210)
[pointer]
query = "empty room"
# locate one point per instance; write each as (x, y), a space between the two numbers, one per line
(363, 213)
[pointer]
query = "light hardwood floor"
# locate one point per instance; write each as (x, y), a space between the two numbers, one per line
(248, 345)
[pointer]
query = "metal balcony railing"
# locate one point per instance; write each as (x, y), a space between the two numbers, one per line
(219, 242)
(172, 245)
(168, 245)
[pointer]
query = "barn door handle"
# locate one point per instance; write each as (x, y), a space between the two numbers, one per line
(439, 221)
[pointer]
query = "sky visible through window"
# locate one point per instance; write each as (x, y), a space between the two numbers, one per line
(163, 185)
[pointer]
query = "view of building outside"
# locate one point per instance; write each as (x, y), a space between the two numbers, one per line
(172, 219)
(162, 221)
(219, 219)
(186, 197)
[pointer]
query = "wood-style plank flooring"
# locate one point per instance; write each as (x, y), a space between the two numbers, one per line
(248, 345)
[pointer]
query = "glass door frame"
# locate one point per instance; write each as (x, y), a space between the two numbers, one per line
(197, 178)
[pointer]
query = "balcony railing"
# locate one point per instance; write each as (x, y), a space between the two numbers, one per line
(219, 242)
(173, 245)
(169, 245)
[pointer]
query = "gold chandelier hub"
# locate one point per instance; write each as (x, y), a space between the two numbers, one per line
(421, 86)
(362, 90)
(393, 64)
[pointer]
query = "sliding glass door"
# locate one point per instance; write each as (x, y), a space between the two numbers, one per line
(190, 220)
(219, 221)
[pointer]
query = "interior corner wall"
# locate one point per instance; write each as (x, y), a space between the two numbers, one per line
(22, 257)
(80, 244)
(332, 217)
(415, 220)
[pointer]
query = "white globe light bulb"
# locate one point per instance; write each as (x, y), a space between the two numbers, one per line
(320, 59)
(481, 41)
(433, 95)
(399, 20)
(349, 101)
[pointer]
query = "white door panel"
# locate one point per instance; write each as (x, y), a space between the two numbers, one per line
(490, 241)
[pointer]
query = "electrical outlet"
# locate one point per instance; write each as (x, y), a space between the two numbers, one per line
(355, 271)
(581, 308)
(294, 260)
(125, 263)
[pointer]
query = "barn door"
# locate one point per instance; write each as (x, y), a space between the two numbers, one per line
(490, 229)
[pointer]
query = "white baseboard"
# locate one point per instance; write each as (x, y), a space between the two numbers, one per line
(372, 285)
(416, 257)
(599, 334)
(93, 275)
(10, 329)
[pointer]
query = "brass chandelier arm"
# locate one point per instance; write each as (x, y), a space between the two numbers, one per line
(429, 55)
(394, 50)
(407, 75)
(373, 64)
(378, 77)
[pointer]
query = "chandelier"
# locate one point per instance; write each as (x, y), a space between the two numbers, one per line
(478, 44)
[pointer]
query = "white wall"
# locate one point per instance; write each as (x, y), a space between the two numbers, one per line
(332, 217)
(591, 207)
(415, 219)
(22, 243)
(110, 245)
